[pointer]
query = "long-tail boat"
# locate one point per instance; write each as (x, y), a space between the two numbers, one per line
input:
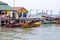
(24, 23)
(57, 20)
(29, 23)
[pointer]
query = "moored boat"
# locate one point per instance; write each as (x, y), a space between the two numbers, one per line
(23, 23)
(57, 20)
(32, 24)
(48, 22)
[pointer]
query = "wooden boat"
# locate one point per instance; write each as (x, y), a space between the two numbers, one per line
(12, 24)
(29, 25)
(9, 25)
(24, 23)
(56, 20)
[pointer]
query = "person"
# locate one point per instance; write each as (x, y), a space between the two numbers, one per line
(3, 15)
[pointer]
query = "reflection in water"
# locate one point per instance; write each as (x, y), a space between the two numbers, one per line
(43, 32)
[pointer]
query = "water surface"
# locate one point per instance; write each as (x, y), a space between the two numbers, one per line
(43, 32)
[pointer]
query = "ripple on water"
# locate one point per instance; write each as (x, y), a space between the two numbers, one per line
(43, 32)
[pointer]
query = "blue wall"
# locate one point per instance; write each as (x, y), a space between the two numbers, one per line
(22, 15)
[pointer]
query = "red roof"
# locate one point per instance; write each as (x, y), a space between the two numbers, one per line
(21, 9)
(17, 8)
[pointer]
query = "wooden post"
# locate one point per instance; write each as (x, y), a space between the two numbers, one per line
(37, 11)
(5, 11)
(42, 13)
(0, 18)
(51, 12)
(30, 12)
(0, 21)
(46, 12)
(59, 15)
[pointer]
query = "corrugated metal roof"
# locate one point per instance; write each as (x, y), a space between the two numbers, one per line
(2, 3)
(5, 7)
(20, 9)
(17, 8)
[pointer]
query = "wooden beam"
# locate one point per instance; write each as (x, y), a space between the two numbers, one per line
(5, 11)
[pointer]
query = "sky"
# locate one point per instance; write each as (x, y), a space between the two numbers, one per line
(35, 4)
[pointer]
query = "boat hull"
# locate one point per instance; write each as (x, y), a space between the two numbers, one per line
(32, 25)
(48, 22)
(57, 22)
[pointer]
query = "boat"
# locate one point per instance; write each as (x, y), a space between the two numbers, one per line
(32, 24)
(57, 20)
(23, 23)
(47, 22)
(12, 24)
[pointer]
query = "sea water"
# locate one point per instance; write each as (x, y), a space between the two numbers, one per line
(43, 32)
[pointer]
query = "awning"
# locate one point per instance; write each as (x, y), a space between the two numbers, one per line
(5, 7)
